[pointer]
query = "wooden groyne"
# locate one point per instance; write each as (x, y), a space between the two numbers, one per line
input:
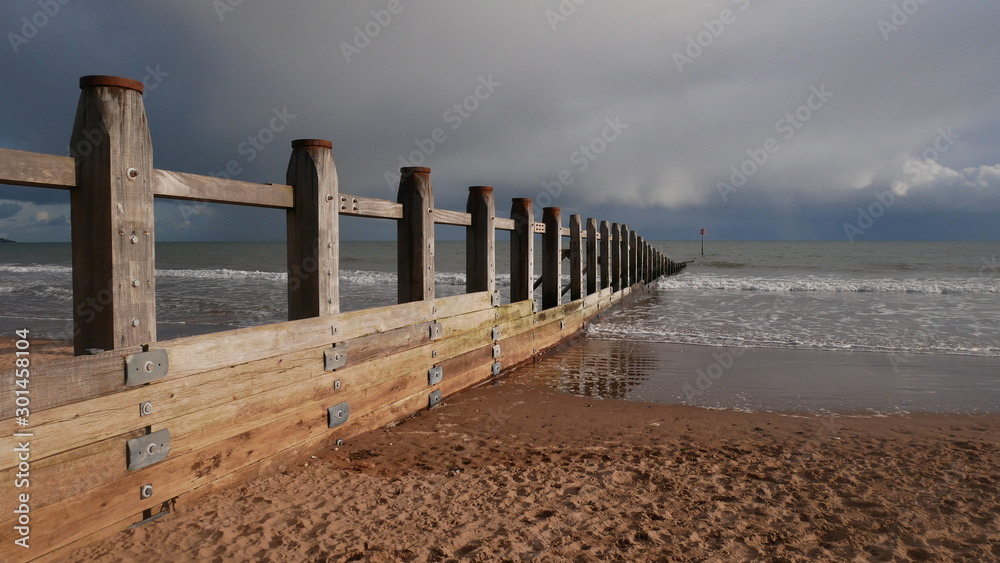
(131, 425)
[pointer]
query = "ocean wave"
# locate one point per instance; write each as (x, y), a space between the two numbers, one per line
(620, 331)
(831, 284)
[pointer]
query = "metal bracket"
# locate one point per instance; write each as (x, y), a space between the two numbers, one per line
(495, 299)
(435, 375)
(495, 333)
(436, 330)
(496, 368)
(147, 450)
(535, 307)
(434, 399)
(334, 358)
(145, 367)
(496, 351)
(337, 414)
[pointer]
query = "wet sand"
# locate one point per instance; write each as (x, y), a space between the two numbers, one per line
(516, 472)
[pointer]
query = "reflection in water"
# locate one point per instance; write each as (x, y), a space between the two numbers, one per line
(596, 368)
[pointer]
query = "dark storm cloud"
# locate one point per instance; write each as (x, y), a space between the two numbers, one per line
(642, 109)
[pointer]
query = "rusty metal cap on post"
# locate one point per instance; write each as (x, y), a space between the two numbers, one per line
(414, 170)
(298, 143)
(96, 80)
(521, 200)
(481, 189)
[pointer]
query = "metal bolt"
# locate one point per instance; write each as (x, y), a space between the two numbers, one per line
(329, 197)
(340, 442)
(146, 491)
(434, 353)
(135, 322)
(148, 366)
(329, 272)
(134, 239)
(335, 330)
(145, 408)
(132, 173)
(135, 283)
(340, 414)
(151, 449)
(336, 385)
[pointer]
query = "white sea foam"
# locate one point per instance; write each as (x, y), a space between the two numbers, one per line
(831, 284)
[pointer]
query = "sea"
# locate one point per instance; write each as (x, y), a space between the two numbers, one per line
(871, 327)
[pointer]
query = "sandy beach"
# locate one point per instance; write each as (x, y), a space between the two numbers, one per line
(517, 472)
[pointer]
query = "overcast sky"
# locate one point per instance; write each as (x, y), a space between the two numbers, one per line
(756, 119)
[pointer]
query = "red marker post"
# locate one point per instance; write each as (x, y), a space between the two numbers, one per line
(703, 242)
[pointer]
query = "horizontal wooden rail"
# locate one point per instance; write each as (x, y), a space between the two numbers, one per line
(504, 224)
(20, 168)
(195, 187)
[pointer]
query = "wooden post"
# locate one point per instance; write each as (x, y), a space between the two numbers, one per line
(551, 258)
(633, 258)
(575, 257)
(616, 257)
(522, 250)
(415, 235)
(591, 255)
(312, 226)
(114, 268)
(480, 241)
(640, 255)
(626, 258)
(605, 254)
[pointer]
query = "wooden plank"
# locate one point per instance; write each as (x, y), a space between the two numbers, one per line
(415, 236)
(312, 231)
(21, 168)
(202, 404)
(504, 224)
(605, 261)
(575, 258)
(616, 257)
(480, 241)
(369, 207)
(592, 242)
(195, 187)
(551, 258)
(633, 258)
(565, 232)
(448, 217)
(522, 251)
(626, 255)
(114, 293)
(80, 378)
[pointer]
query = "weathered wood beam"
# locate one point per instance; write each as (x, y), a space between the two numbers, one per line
(575, 257)
(313, 236)
(21, 168)
(522, 250)
(114, 286)
(480, 241)
(551, 257)
(591, 268)
(415, 235)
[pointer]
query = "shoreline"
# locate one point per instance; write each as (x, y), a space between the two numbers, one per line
(518, 471)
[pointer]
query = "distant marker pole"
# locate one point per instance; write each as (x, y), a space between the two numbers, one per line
(703, 242)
